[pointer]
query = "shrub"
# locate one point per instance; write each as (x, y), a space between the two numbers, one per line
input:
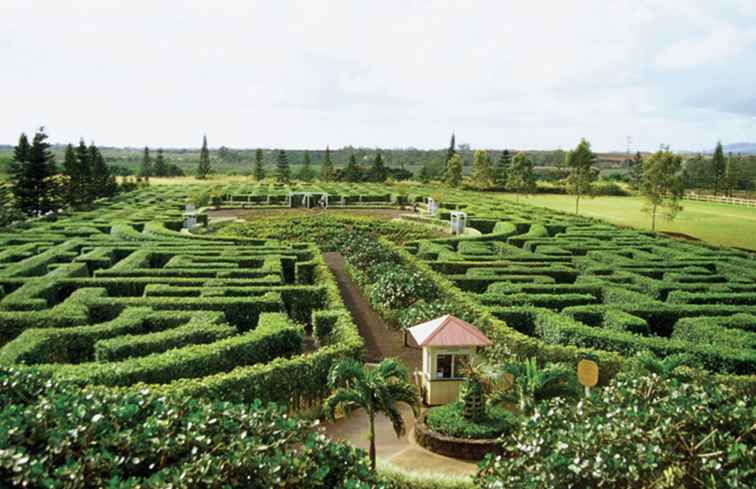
(640, 432)
(448, 420)
(397, 287)
(128, 439)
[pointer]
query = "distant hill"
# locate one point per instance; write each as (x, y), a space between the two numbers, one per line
(742, 148)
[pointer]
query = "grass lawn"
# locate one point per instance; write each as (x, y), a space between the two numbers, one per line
(718, 224)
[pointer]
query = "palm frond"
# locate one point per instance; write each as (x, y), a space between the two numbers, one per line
(345, 372)
(342, 396)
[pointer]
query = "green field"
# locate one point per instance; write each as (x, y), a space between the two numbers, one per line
(718, 224)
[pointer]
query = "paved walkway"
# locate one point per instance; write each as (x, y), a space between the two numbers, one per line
(402, 452)
(382, 342)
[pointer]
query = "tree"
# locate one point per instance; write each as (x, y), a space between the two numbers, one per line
(424, 175)
(100, 173)
(160, 169)
(502, 168)
(282, 167)
(452, 150)
(580, 161)
(203, 170)
(83, 180)
(352, 172)
(730, 178)
(521, 178)
(259, 170)
(305, 173)
(662, 185)
(718, 167)
(326, 169)
(9, 210)
(146, 170)
(377, 390)
(33, 164)
(71, 170)
(532, 384)
(482, 174)
(636, 171)
(453, 171)
(378, 171)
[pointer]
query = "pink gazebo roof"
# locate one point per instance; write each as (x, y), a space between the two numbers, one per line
(448, 331)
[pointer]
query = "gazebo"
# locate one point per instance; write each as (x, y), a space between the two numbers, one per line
(447, 343)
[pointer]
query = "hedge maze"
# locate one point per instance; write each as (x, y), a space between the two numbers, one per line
(121, 297)
(567, 281)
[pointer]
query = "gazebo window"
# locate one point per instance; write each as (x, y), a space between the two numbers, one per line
(451, 366)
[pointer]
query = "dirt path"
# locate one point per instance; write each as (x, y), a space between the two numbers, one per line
(380, 340)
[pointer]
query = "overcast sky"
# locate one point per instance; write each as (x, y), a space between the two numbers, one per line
(525, 75)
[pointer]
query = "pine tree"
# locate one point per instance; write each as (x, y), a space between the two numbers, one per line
(502, 168)
(730, 178)
(146, 169)
(17, 172)
(482, 175)
(580, 161)
(326, 169)
(351, 172)
(282, 168)
(39, 166)
(204, 163)
(160, 169)
(662, 185)
(100, 175)
(452, 149)
(259, 169)
(378, 171)
(453, 171)
(305, 173)
(718, 167)
(636, 171)
(521, 178)
(424, 175)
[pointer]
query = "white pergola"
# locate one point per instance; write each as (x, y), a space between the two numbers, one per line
(306, 197)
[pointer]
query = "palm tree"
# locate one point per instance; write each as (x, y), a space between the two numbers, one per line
(675, 366)
(377, 390)
(531, 383)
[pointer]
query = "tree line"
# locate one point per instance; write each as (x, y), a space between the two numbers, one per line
(38, 186)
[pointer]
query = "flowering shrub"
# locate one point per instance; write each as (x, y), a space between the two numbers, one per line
(396, 287)
(639, 432)
(55, 435)
(422, 311)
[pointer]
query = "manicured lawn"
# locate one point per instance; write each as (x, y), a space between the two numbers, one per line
(718, 224)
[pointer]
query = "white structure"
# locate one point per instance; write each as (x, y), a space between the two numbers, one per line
(447, 343)
(432, 206)
(458, 221)
(307, 199)
(190, 217)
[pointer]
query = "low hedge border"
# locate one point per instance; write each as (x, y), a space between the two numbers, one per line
(449, 446)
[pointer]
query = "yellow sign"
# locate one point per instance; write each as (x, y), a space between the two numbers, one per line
(587, 372)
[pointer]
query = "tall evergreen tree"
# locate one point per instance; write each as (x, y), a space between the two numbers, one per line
(453, 171)
(502, 168)
(17, 172)
(636, 171)
(39, 166)
(204, 163)
(482, 175)
(521, 178)
(282, 168)
(662, 185)
(730, 177)
(160, 169)
(378, 171)
(326, 169)
(100, 175)
(146, 170)
(581, 163)
(259, 169)
(305, 173)
(452, 149)
(82, 181)
(352, 172)
(424, 174)
(718, 167)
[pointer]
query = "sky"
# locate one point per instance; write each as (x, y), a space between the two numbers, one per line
(306, 74)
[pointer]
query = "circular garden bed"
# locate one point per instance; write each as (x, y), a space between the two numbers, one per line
(445, 431)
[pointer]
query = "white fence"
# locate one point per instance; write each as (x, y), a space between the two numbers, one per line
(721, 199)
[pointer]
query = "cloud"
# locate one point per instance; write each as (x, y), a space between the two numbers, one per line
(308, 73)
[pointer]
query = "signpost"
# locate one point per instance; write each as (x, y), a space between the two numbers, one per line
(587, 372)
